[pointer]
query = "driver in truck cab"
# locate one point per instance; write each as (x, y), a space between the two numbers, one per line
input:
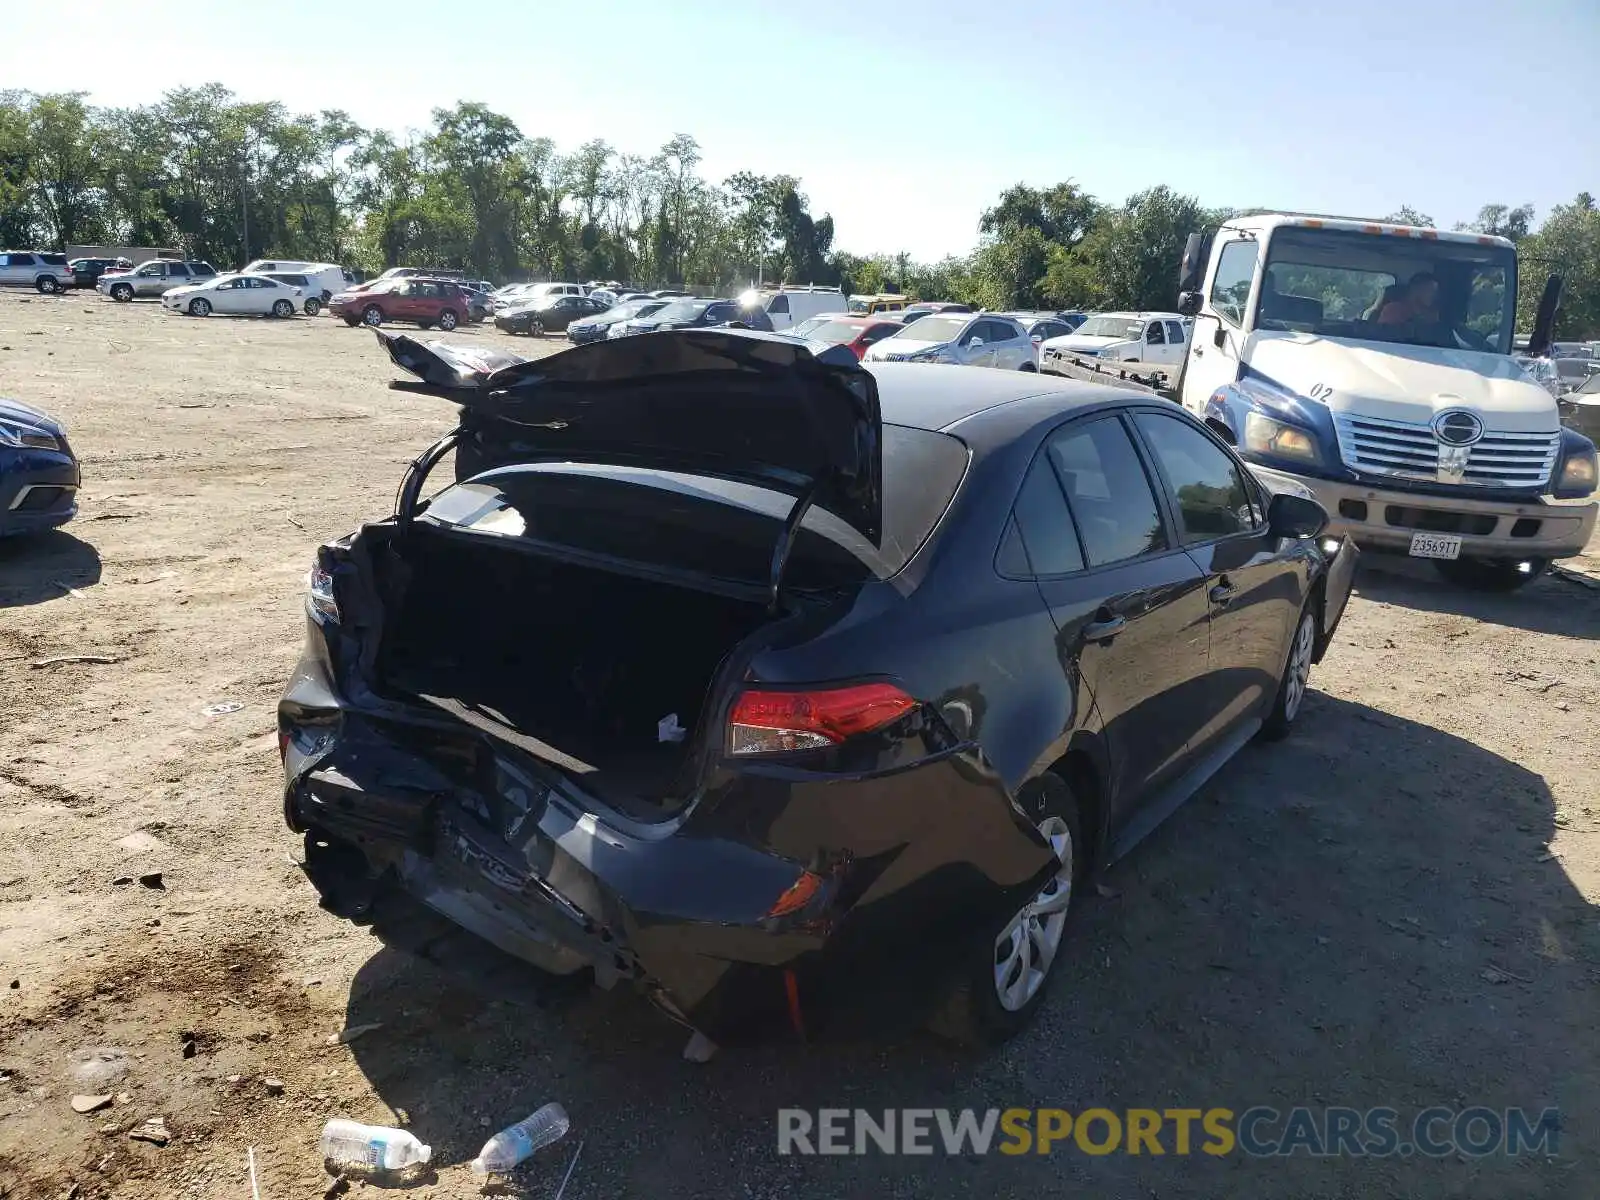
(1417, 304)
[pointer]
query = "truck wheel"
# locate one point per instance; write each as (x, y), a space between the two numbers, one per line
(1491, 574)
(47, 285)
(372, 315)
(1003, 985)
(122, 292)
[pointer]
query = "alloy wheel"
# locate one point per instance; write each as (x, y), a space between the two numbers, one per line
(1294, 686)
(1028, 944)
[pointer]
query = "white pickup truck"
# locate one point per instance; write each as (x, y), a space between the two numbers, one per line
(1371, 364)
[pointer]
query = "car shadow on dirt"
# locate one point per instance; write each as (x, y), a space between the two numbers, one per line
(1364, 915)
(36, 569)
(1550, 604)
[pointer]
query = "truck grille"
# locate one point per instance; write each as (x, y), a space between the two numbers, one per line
(1381, 447)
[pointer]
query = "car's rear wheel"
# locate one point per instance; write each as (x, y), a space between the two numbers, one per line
(1296, 677)
(447, 320)
(122, 292)
(536, 327)
(47, 285)
(1491, 574)
(199, 307)
(283, 308)
(312, 306)
(998, 991)
(372, 315)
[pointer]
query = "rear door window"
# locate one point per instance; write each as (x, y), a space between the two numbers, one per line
(1112, 501)
(1045, 524)
(20, 260)
(779, 306)
(1174, 333)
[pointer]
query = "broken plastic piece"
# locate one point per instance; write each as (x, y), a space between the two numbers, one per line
(668, 729)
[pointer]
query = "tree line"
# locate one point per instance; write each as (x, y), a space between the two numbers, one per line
(228, 181)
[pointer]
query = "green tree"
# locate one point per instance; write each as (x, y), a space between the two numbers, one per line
(1568, 243)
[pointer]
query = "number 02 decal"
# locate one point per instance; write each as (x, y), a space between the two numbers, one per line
(1320, 391)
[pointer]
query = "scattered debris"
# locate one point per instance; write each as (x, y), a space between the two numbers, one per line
(235, 1079)
(255, 1190)
(102, 659)
(138, 842)
(297, 525)
(92, 1065)
(116, 516)
(274, 1086)
(82, 1103)
(154, 1131)
(71, 591)
(190, 1046)
(560, 1191)
(122, 881)
(1494, 974)
(15, 984)
(352, 1033)
(152, 879)
(338, 1187)
(72, 1192)
(221, 709)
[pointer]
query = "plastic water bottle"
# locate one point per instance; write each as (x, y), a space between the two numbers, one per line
(518, 1142)
(348, 1146)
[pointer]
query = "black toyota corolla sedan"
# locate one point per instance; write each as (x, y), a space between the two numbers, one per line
(801, 696)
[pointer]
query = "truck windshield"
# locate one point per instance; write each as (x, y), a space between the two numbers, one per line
(1379, 287)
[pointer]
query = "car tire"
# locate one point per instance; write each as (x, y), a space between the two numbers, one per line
(372, 316)
(312, 306)
(448, 320)
(199, 307)
(1295, 679)
(47, 285)
(1490, 574)
(1027, 367)
(994, 998)
(122, 292)
(536, 328)
(283, 308)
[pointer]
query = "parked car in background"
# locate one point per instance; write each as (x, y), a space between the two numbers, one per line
(86, 272)
(323, 280)
(847, 329)
(871, 305)
(929, 659)
(1149, 337)
(39, 474)
(1074, 318)
(42, 270)
(787, 306)
(423, 302)
(406, 273)
(592, 329)
(695, 313)
(153, 278)
(963, 339)
(547, 314)
(924, 308)
(669, 294)
(236, 295)
(1041, 326)
(310, 294)
(479, 305)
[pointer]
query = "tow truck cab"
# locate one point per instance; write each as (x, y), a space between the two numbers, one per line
(1372, 364)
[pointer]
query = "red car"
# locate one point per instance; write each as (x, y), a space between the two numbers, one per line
(424, 302)
(846, 329)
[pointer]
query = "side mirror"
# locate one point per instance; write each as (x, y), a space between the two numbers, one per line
(1544, 320)
(1290, 516)
(1188, 303)
(975, 343)
(1192, 268)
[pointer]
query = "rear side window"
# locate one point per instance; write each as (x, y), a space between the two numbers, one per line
(1045, 524)
(779, 306)
(1110, 494)
(20, 260)
(1206, 486)
(1174, 333)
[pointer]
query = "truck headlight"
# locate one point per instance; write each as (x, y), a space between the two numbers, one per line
(1579, 474)
(1264, 435)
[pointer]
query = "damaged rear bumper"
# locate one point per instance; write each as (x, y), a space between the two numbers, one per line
(781, 903)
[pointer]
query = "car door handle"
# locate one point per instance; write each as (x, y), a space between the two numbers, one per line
(1104, 630)
(1222, 593)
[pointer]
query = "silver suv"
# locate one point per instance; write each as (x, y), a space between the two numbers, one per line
(154, 277)
(38, 269)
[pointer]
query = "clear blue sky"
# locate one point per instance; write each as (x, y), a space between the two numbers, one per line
(906, 120)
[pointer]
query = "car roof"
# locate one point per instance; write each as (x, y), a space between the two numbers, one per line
(933, 396)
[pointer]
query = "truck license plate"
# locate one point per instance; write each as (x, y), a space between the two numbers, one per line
(1435, 545)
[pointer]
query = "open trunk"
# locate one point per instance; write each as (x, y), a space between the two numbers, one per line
(578, 665)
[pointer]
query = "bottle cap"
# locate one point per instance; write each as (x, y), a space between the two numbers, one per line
(477, 1166)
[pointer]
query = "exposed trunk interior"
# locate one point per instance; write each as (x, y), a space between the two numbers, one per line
(582, 664)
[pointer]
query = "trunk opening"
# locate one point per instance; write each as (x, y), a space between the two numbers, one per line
(575, 664)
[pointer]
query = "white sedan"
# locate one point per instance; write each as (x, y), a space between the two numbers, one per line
(253, 295)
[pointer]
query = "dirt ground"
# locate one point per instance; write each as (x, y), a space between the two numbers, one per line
(1395, 907)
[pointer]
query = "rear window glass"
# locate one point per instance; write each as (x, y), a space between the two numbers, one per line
(830, 331)
(713, 526)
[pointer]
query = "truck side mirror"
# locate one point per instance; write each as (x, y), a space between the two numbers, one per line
(1544, 320)
(1193, 267)
(1188, 303)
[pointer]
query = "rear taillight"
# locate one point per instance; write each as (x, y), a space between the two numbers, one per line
(770, 722)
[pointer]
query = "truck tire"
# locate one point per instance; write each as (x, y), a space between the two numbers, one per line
(47, 285)
(1491, 574)
(122, 292)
